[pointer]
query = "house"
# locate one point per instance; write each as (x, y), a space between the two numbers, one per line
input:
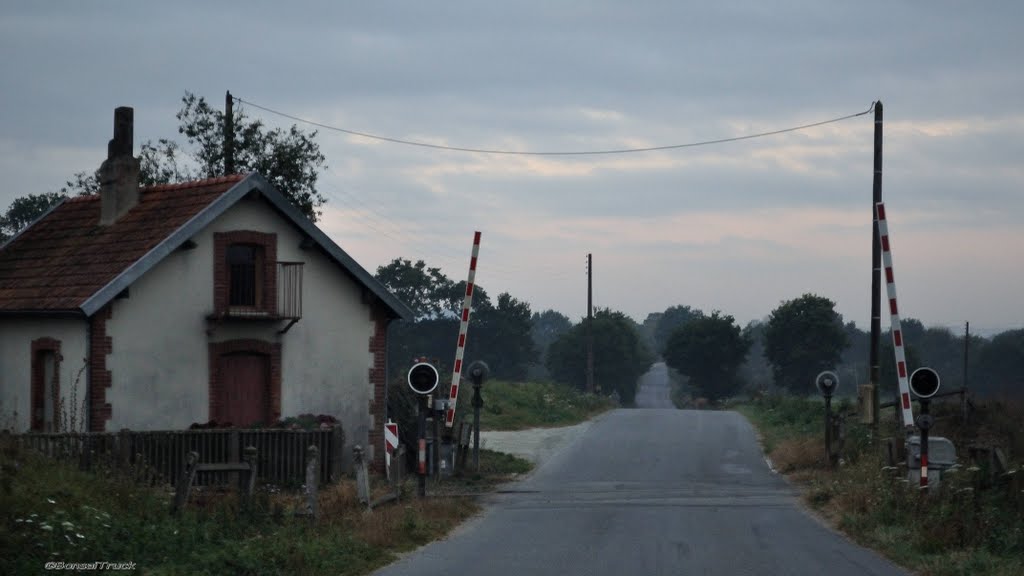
(164, 306)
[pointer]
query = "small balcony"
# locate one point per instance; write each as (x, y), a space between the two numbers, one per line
(250, 295)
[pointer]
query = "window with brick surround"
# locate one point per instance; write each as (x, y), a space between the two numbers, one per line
(45, 391)
(245, 273)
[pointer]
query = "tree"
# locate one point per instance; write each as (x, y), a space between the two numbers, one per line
(426, 291)
(288, 159)
(502, 338)
(709, 351)
(803, 337)
(1000, 366)
(620, 358)
(25, 210)
(546, 327)
(671, 319)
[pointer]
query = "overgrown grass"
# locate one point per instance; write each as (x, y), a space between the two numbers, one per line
(521, 405)
(967, 526)
(51, 511)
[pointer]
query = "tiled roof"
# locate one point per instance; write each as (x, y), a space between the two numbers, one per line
(67, 257)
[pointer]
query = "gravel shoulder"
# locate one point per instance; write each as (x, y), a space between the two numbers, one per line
(537, 445)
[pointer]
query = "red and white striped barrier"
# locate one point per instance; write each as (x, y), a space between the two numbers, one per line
(453, 394)
(390, 442)
(897, 331)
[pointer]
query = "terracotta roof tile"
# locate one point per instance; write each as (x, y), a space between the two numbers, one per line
(67, 257)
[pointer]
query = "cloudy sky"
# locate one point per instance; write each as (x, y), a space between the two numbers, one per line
(737, 227)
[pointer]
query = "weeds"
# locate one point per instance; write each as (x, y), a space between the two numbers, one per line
(965, 526)
(51, 511)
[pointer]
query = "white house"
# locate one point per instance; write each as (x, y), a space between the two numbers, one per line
(170, 305)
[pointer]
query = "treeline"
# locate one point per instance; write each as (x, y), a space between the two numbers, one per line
(516, 342)
(717, 357)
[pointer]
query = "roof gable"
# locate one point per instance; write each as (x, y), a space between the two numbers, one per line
(67, 261)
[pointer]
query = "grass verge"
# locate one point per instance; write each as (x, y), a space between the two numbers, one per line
(522, 405)
(52, 512)
(967, 526)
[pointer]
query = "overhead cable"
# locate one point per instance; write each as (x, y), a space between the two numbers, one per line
(559, 153)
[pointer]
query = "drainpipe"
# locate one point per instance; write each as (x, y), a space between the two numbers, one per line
(87, 416)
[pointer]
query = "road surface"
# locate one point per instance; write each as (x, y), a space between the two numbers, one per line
(656, 491)
(654, 390)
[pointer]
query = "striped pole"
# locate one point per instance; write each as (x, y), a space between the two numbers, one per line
(453, 394)
(924, 468)
(897, 331)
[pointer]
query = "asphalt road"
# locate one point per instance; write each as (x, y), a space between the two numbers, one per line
(654, 390)
(656, 491)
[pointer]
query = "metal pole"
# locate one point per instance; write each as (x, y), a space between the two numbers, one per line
(876, 266)
(229, 135)
(478, 403)
(590, 321)
(828, 430)
(924, 445)
(422, 452)
(435, 446)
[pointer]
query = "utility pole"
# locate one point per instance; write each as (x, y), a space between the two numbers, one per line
(229, 135)
(876, 267)
(590, 321)
(963, 387)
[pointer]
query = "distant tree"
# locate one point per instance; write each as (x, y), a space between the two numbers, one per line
(25, 210)
(755, 370)
(546, 327)
(672, 318)
(1000, 367)
(290, 159)
(426, 291)
(620, 357)
(647, 328)
(803, 337)
(501, 337)
(709, 351)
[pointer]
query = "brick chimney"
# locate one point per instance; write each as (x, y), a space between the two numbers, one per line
(119, 173)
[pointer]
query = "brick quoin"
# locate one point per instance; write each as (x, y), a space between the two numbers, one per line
(100, 345)
(378, 385)
(269, 349)
(221, 241)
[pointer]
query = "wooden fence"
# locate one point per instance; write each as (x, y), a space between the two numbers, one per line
(281, 454)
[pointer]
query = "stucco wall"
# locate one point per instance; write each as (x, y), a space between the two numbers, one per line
(16, 336)
(159, 359)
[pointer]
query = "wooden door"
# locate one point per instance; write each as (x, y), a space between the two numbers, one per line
(245, 396)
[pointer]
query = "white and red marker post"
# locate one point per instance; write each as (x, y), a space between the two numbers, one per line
(453, 393)
(897, 331)
(390, 443)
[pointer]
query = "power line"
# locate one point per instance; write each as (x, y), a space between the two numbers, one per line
(562, 153)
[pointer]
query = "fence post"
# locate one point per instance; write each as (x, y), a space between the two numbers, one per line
(250, 480)
(124, 452)
(234, 447)
(397, 468)
(362, 477)
(188, 475)
(337, 451)
(312, 479)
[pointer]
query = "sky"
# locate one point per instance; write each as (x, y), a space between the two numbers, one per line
(738, 227)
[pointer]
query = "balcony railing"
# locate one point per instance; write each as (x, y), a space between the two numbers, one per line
(247, 298)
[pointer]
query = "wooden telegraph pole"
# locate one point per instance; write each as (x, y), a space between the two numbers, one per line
(876, 268)
(590, 321)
